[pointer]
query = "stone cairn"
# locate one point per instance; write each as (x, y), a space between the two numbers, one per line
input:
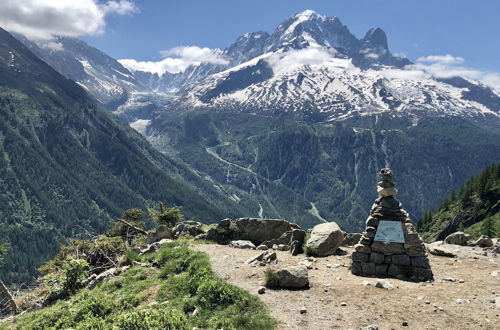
(379, 258)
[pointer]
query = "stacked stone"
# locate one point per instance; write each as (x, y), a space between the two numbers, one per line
(389, 259)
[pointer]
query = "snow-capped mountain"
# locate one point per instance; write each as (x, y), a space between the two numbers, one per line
(101, 75)
(313, 68)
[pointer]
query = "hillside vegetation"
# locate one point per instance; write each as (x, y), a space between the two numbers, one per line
(475, 209)
(67, 166)
(179, 292)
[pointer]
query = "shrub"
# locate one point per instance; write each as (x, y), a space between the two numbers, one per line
(67, 282)
(272, 279)
(153, 319)
(166, 216)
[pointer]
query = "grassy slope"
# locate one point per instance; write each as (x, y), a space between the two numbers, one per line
(181, 294)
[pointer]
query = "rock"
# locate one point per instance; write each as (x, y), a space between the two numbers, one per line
(437, 249)
(224, 223)
(370, 327)
(381, 270)
(420, 262)
(494, 273)
(293, 277)
(287, 238)
(484, 241)
(161, 232)
(368, 268)
(404, 323)
(384, 284)
(241, 244)
(362, 248)
(282, 247)
(265, 257)
(356, 268)
(303, 310)
(401, 259)
(458, 238)
(377, 258)
(351, 239)
(325, 238)
(295, 248)
(360, 257)
(261, 290)
(343, 304)
(388, 248)
(262, 247)
(275, 247)
(187, 228)
(261, 230)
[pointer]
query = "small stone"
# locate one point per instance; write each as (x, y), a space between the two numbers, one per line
(494, 273)
(449, 279)
(366, 283)
(343, 304)
(384, 284)
(461, 281)
(404, 324)
(262, 247)
(303, 310)
(261, 290)
(370, 327)
(427, 302)
(282, 247)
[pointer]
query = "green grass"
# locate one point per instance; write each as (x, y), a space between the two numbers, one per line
(272, 280)
(183, 293)
(310, 252)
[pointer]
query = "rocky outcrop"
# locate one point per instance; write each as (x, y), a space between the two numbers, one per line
(484, 241)
(397, 250)
(161, 232)
(458, 238)
(187, 228)
(262, 230)
(266, 257)
(325, 239)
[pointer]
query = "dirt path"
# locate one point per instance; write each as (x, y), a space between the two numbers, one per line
(462, 303)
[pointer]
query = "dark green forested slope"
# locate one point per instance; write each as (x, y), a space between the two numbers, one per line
(66, 165)
(289, 165)
(474, 209)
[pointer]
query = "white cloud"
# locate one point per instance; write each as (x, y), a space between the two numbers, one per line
(183, 57)
(442, 59)
(447, 66)
(306, 56)
(44, 19)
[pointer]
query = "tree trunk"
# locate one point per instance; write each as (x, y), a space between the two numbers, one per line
(6, 299)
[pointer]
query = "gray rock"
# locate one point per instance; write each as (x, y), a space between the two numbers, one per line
(261, 290)
(187, 228)
(360, 257)
(420, 262)
(241, 244)
(351, 239)
(265, 257)
(384, 284)
(368, 268)
(438, 249)
(370, 327)
(417, 250)
(282, 247)
(362, 248)
(262, 247)
(356, 268)
(377, 258)
(401, 259)
(293, 277)
(261, 230)
(388, 248)
(381, 270)
(458, 238)
(326, 238)
(295, 248)
(224, 223)
(372, 222)
(484, 241)
(161, 232)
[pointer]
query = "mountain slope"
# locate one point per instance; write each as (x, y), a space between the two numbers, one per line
(474, 209)
(67, 165)
(99, 74)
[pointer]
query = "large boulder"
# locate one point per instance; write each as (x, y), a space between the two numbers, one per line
(162, 232)
(458, 238)
(325, 239)
(261, 230)
(293, 277)
(241, 244)
(187, 228)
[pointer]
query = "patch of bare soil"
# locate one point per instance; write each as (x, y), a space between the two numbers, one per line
(461, 297)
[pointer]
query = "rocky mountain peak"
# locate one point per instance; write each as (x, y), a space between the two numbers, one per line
(375, 38)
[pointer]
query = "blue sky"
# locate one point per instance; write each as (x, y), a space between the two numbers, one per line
(467, 29)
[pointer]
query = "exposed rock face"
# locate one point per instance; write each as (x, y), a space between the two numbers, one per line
(293, 277)
(400, 256)
(326, 238)
(458, 238)
(262, 230)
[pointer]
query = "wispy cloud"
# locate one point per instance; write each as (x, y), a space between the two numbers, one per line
(446, 66)
(177, 60)
(45, 19)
